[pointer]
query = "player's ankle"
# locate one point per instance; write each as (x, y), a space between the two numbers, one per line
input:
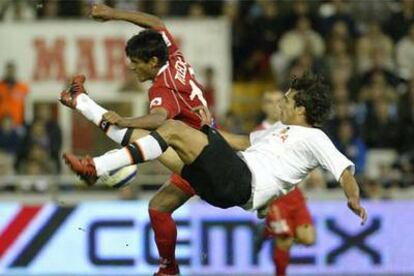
(169, 267)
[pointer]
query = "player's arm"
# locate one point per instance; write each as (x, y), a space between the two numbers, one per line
(341, 168)
(351, 189)
(151, 121)
(237, 142)
(144, 20)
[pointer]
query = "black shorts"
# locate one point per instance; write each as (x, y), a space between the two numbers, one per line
(218, 175)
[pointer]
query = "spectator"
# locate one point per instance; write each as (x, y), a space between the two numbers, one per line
(406, 117)
(38, 135)
(49, 9)
(161, 8)
(341, 111)
(380, 129)
(351, 144)
(9, 137)
(17, 10)
(367, 52)
(378, 87)
(12, 95)
(70, 9)
(343, 77)
(196, 10)
(269, 23)
(333, 11)
(241, 33)
(6, 167)
(367, 11)
(43, 115)
(405, 54)
(299, 8)
(300, 47)
(400, 19)
(339, 47)
(36, 161)
(301, 39)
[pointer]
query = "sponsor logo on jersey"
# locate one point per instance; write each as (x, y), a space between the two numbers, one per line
(181, 68)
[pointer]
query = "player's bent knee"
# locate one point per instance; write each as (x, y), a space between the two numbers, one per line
(168, 199)
(284, 242)
(157, 203)
(307, 239)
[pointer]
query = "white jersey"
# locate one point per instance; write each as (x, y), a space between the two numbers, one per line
(280, 158)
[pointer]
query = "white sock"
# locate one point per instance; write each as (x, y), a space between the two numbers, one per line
(112, 161)
(93, 112)
(143, 149)
(148, 147)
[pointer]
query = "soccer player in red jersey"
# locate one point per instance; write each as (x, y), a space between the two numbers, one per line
(288, 219)
(154, 56)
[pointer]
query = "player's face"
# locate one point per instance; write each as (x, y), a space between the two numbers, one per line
(143, 70)
(271, 106)
(287, 107)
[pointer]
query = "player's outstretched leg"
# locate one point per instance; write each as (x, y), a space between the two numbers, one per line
(186, 141)
(77, 98)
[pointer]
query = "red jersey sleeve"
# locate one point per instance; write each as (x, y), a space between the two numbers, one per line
(169, 40)
(165, 98)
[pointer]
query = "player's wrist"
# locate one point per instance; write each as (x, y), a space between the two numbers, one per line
(123, 122)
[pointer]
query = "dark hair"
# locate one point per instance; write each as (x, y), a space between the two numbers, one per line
(314, 95)
(147, 44)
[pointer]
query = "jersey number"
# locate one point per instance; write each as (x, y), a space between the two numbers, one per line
(196, 92)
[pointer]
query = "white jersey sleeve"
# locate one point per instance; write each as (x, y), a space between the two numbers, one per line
(328, 156)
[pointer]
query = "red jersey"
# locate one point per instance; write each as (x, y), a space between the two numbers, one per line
(175, 87)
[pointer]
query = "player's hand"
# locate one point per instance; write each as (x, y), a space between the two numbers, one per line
(355, 206)
(205, 115)
(102, 12)
(113, 118)
(262, 212)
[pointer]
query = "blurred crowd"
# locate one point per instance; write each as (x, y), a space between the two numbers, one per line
(365, 49)
(26, 148)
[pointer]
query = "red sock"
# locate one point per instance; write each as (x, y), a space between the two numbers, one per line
(281, 259)
(165, 231)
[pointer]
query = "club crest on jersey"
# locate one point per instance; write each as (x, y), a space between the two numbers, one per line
(156, 102)
(283, 134)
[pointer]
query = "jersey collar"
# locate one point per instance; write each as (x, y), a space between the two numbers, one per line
(162, 69)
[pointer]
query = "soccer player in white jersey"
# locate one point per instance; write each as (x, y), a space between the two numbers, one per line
(229, 170)
(288, 219)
